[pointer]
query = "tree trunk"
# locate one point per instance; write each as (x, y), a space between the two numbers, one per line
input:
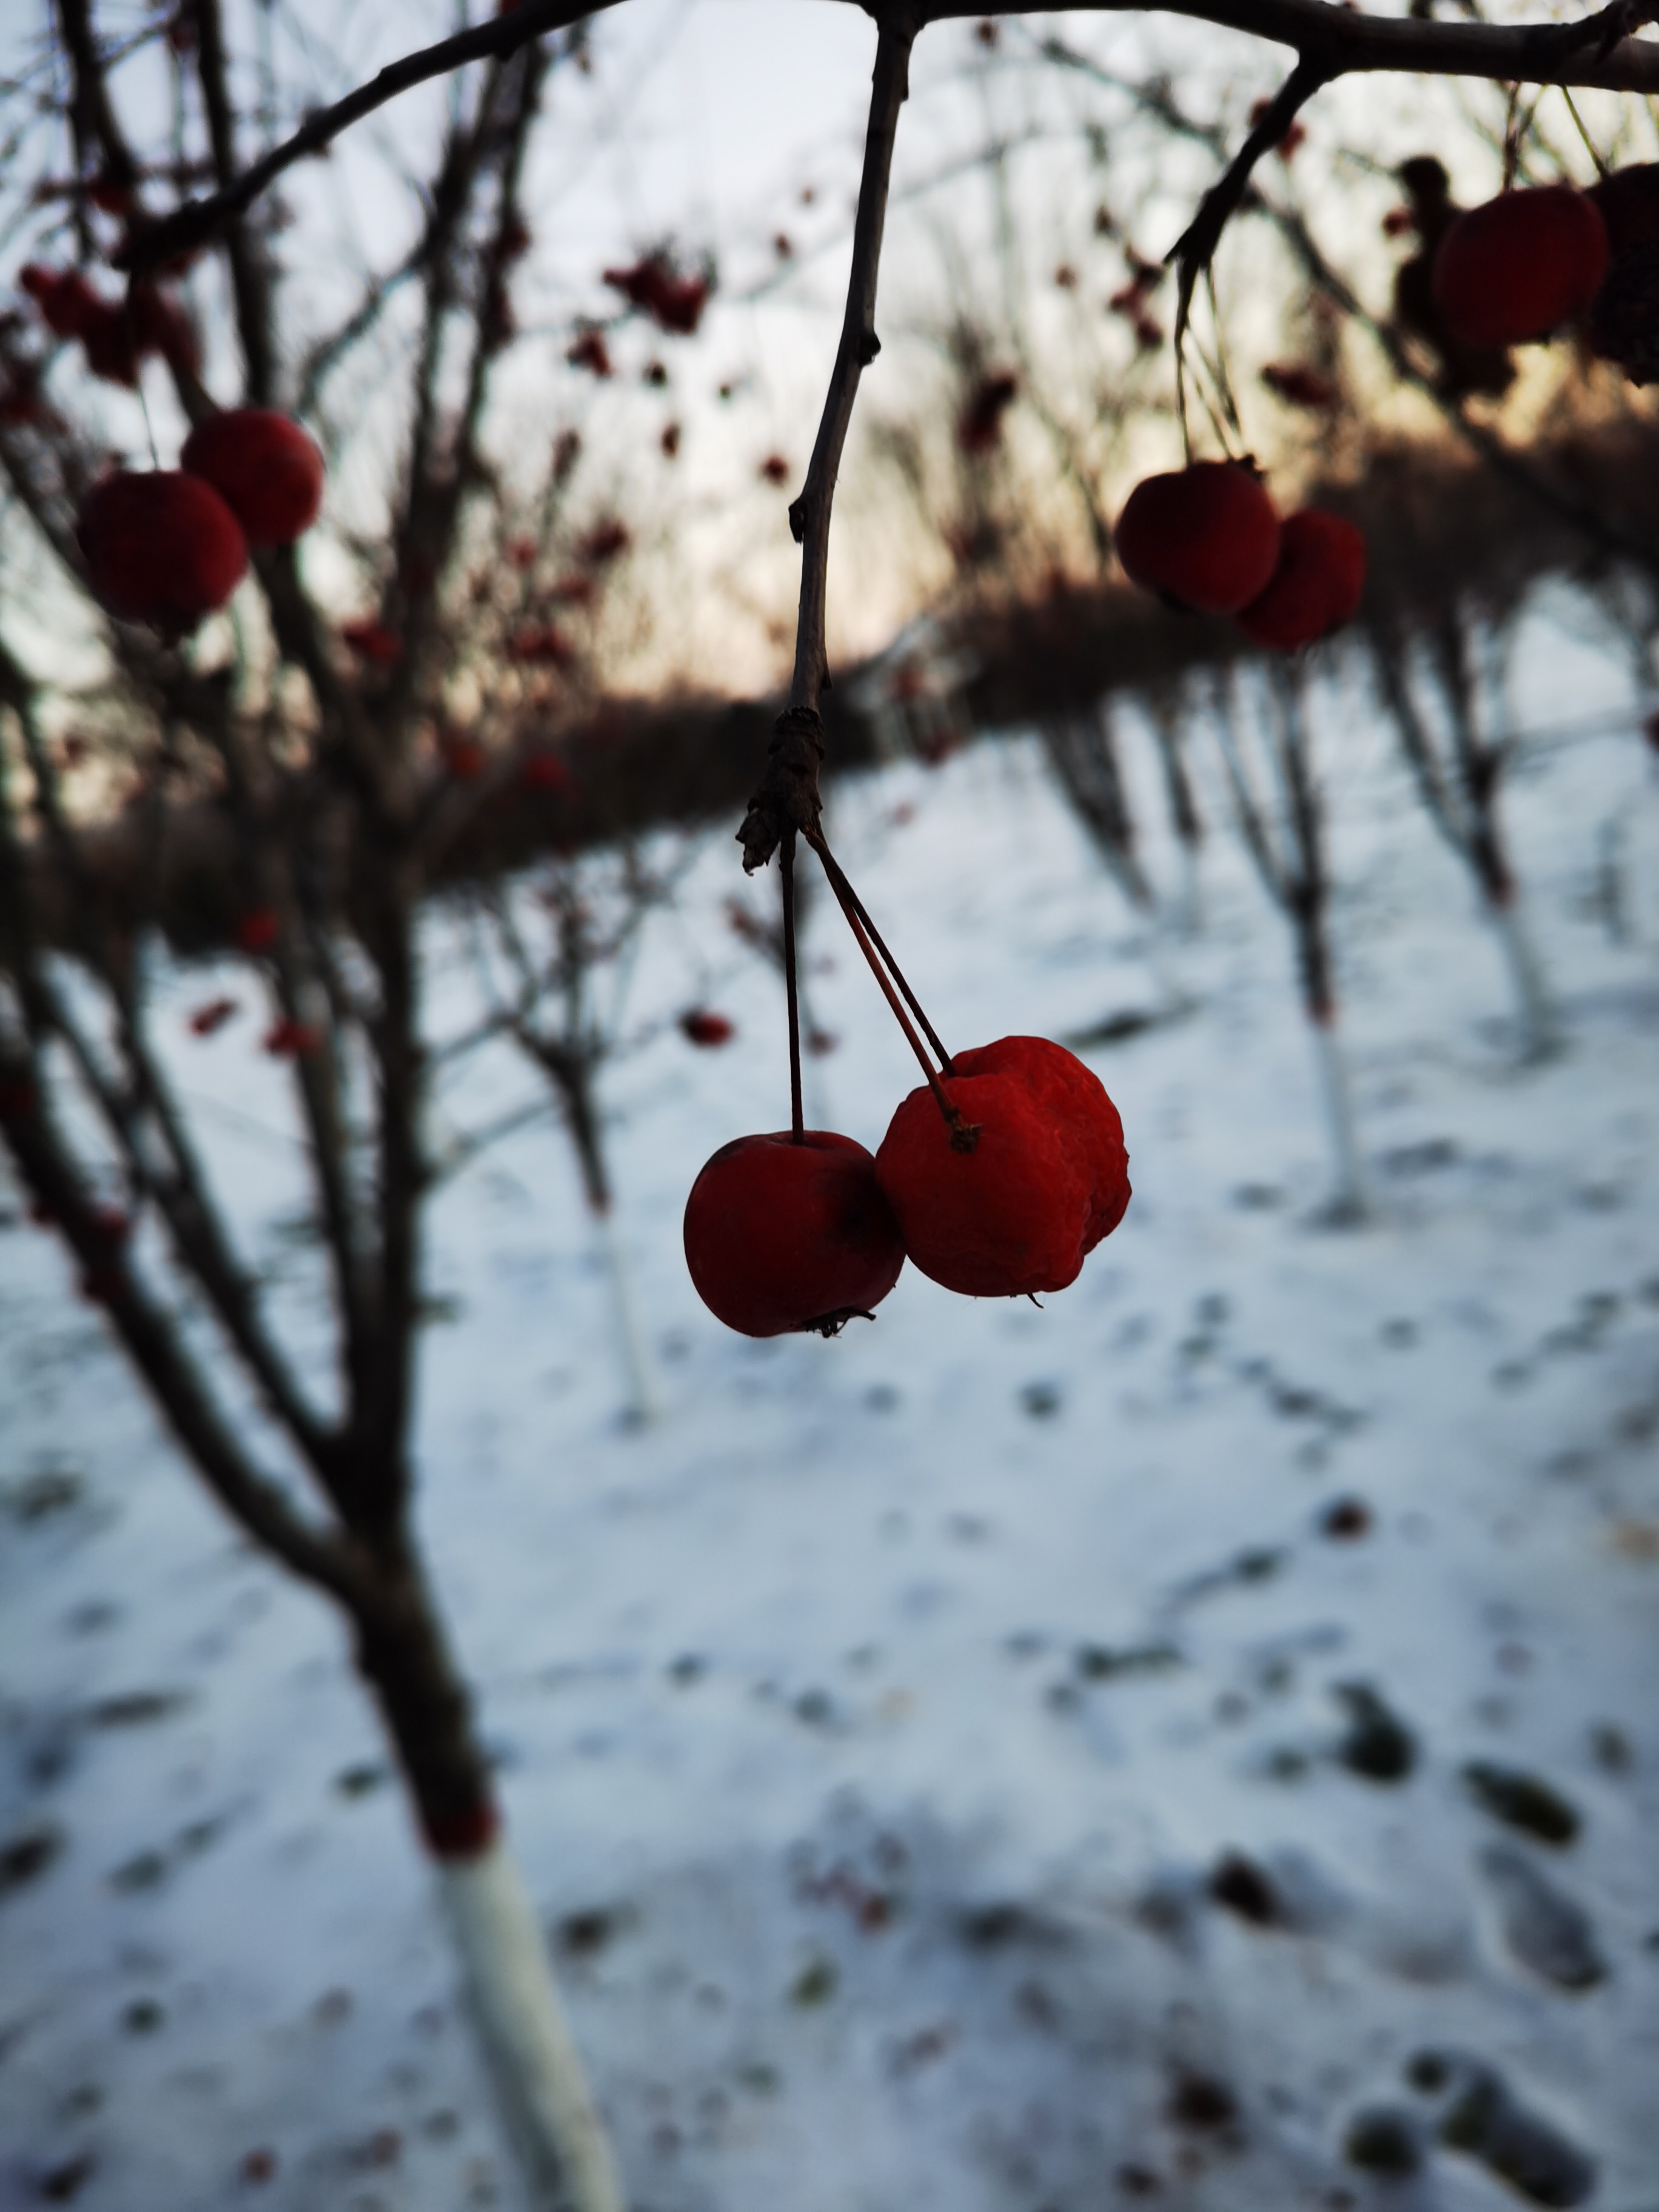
(1348, 1201)
(1541, 1033)
(531, 2057)
(642, 1409)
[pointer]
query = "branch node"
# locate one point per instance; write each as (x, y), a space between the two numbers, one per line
(869, 347)
(788, 796)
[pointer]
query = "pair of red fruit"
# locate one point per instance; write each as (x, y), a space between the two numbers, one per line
(789, 1232)
(168, 546)
(1208, 537)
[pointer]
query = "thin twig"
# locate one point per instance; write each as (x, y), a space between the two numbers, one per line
(808, 515)
(194, 224)
(1194, 250)
(786, 869)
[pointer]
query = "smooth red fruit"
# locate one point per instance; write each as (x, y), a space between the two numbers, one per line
(1317, 586)
(1047, 1179)
(160, 547)
(1206, 536)
(266, 469)
(1518, 268)
(780, 1235)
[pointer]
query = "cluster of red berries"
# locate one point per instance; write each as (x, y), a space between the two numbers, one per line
(1003, 1199)
(166, 546)
(116, 335)
(675, 303)
(1208, 537)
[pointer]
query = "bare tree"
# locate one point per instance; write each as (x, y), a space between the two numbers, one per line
(1285, 834)
(1459, 781)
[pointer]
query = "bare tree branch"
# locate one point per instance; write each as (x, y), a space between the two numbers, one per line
(250, 277)
(198, 221)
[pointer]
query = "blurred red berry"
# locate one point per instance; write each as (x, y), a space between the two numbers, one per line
(268, 471)
(213, 1015)
(1519, 268)
(160, 547)
(371, 640)
(1316, 586)
(591, 352)
(706, 1029)
(1206, 536)
(287, 1039)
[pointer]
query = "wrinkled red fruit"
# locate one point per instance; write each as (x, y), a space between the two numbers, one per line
(266, 469)
(1206, 536)
(1047, 1179)
(1317, 586)
(780, 1235)
(160, 547)
(1518, 268)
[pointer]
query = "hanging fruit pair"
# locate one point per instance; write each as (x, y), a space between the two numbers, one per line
(1207, 538)
(996, 1177)
(169, 546)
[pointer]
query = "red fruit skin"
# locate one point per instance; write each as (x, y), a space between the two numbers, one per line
(1516, 270)
(1206, 536)
(266, 469)
(1047, 1180)
(780, 1235)
(162, 548)
(1317, 586)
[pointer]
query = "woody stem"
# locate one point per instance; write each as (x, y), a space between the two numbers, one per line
(961, 1132)
(787, 867)
(852, 905)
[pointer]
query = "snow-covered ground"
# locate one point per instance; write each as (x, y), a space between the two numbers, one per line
(962, 1766)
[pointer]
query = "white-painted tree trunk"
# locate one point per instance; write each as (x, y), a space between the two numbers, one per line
(642, 1405)
(1349, 1202)
(1540, 1034)
(528, 2047)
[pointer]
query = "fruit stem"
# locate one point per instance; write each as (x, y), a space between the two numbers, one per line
(851, 905)
(786, 869)
(964, 1135)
